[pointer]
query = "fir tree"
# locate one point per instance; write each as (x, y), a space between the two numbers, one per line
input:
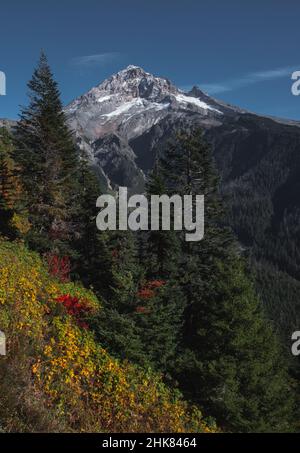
(117, 285)
(48, 162)
(89, 242)
(160, 299)
(162, 249)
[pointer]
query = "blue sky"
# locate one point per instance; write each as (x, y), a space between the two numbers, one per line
(242, 52)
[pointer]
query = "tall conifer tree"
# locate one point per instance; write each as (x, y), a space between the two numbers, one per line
(48, 163)
(159, 315)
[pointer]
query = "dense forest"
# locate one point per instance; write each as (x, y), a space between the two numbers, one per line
(120, 331)
(260, 185)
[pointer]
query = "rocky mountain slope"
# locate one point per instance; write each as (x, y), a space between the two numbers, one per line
(123, 122)
(110, 120)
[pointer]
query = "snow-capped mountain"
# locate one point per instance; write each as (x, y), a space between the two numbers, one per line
(126, 120)
(108, 118)
(129, 103)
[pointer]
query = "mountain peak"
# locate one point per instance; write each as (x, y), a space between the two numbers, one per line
(132, 101)
(132, 67)
(131, 71)
(135, 81)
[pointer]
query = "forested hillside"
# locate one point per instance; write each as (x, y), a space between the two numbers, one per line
(152, 318)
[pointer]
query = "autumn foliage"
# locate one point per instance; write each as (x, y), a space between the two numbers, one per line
(59, 267)
(75, 307)
(63, 380)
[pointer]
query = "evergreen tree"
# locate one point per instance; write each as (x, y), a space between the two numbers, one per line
(117, 285)
(48, 165)
(160, 299)
(158, 318)
(230, 361)
(162, 250)
(89, 243)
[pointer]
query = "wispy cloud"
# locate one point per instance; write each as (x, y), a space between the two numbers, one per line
(98, 59)
(248, 79)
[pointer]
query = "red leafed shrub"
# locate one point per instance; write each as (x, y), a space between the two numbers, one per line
(148, 290)
(59, 267)
(75, 307)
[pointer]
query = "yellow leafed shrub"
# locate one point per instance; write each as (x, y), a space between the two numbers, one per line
(56, 377)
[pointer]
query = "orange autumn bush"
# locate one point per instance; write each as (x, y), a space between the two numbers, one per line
(55, 376)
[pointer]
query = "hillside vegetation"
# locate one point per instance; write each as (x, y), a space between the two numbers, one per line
(56, 377)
